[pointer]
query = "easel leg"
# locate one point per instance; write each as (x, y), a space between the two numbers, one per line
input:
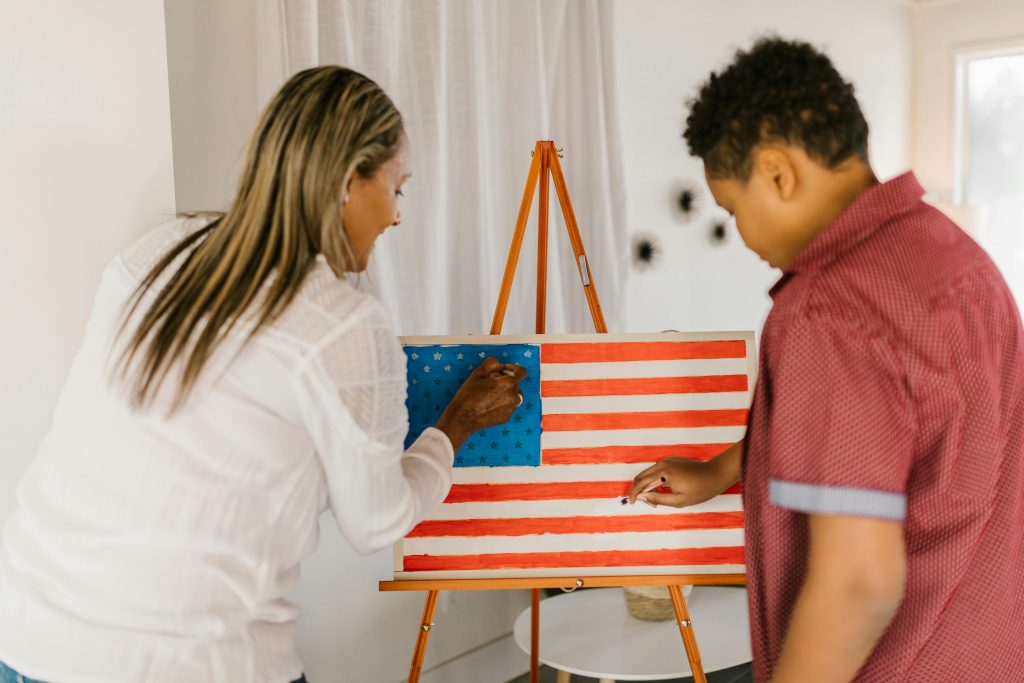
(421, 641)
(542, 244)
(535, 636)
(686, 629)
(517, 241)
(561, 189)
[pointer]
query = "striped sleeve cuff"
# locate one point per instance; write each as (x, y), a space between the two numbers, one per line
(837, 500)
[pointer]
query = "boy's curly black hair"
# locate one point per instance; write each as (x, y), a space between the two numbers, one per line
(778, 91)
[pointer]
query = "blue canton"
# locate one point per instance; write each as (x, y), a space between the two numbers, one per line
(436, 372)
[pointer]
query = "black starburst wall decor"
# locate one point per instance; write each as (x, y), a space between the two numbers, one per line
(688, 199)
(719, 231)
(646, 251)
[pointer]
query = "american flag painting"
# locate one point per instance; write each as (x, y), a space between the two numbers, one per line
(541, 494)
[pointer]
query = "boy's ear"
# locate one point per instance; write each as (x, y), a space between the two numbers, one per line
(777, 167)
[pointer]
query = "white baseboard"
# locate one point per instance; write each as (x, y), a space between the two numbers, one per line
(499, 661)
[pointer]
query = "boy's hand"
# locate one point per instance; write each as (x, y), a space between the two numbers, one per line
(689, 482)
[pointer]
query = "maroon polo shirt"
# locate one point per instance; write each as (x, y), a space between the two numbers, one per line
(891, 386)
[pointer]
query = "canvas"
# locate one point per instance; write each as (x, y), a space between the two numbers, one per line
(541, 494)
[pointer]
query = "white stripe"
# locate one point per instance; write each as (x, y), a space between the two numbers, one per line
(673, 570)
(641, 437)
(576, 508)
(548, 473)
(552, 543)
(645, 404)
(642, 369)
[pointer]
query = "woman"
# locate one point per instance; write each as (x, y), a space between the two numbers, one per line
(231, 386)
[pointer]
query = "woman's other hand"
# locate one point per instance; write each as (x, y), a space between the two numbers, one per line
(488, 397)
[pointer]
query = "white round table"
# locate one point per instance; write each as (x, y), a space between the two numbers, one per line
(590, 633)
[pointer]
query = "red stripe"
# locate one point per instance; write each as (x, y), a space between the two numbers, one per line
(573, 490)
(576, 490)
(656, 420)
(644, 386)
(638, 351)
(606, 455)
(529, 526)
(587, 558)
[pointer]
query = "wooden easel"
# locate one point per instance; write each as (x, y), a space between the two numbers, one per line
(545, 162)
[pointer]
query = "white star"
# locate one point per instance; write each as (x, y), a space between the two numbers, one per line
(437, 356)
(447, 368)
(458, 357)
(481, 354)
(415, 381)
(415, 356)
(426, 368)
(528, 354)
(505, 354)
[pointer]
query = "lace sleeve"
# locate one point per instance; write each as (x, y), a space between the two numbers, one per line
(352, 389)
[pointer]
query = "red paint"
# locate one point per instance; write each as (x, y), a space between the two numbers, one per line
(612, 352)
(570, 490)
(607, 455)
(588, 558)
(643, 386)
(658, 420)
(529, 526)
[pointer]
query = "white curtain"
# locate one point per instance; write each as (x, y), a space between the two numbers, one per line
(478, 82)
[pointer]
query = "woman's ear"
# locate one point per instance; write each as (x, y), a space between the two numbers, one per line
(346, 191)
(776, 166)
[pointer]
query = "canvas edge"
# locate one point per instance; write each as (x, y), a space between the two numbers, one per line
(748, 336)
(454, 340)
(729, 569)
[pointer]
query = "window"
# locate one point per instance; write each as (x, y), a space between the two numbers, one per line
(990, 166)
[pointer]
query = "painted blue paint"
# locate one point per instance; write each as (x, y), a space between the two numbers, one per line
(435, 372)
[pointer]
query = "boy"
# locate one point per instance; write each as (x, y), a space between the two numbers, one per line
(883, 466)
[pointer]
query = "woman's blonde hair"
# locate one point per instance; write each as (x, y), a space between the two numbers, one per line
(323, 126)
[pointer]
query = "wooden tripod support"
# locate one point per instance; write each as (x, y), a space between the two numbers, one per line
(545, 163)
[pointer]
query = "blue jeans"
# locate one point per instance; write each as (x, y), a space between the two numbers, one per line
(9, 675)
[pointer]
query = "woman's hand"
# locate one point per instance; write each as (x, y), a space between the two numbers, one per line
(488, 397)
(689, 481)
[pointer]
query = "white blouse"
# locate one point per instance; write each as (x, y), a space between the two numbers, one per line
(146, 548)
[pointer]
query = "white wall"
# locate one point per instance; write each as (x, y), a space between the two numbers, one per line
(665, 50)
(85, 165)
(941, 29)
(211, 55)
(350, 631)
